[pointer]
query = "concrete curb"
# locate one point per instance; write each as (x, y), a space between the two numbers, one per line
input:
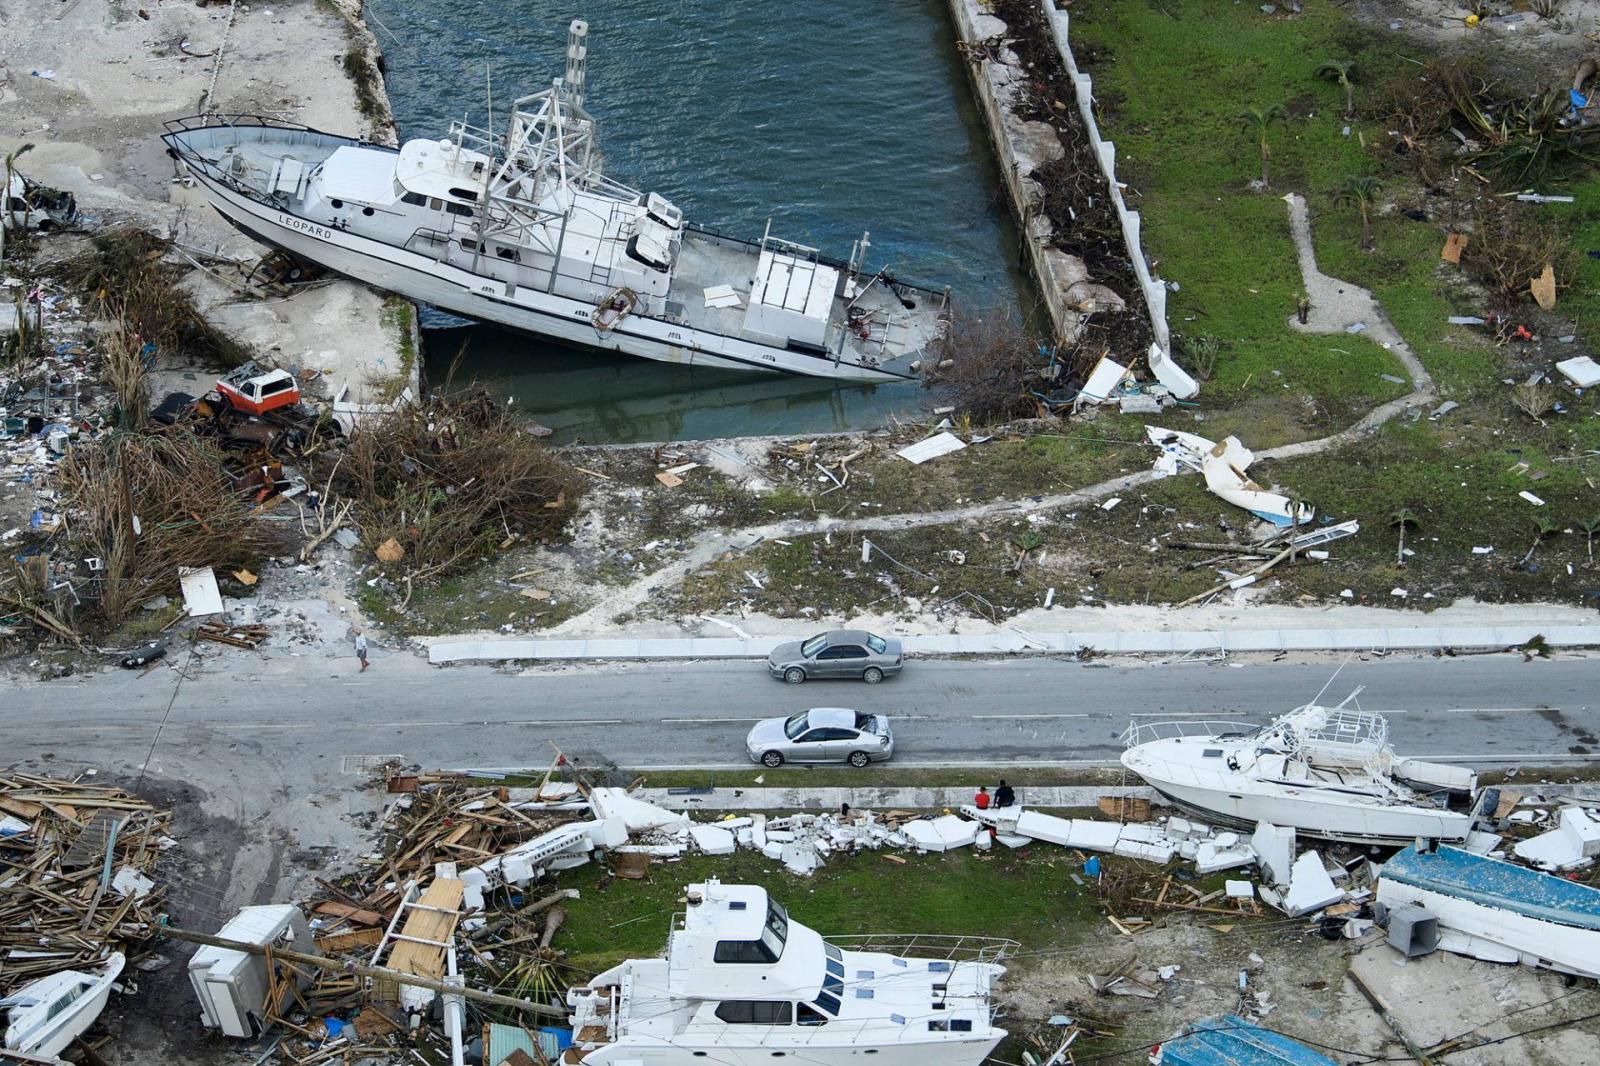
(893, 797)
(1014, 642)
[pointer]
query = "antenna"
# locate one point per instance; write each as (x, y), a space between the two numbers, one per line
(577, 60)
(488, 92)
(1324, 688)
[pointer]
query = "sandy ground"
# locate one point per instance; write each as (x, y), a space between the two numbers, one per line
(90, 84)
(1442, 23)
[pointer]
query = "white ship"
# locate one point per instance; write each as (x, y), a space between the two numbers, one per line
(1328, 772)
(743, 984)
(47, 1015)
(522, 228)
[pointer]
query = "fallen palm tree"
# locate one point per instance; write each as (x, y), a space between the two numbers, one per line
(440, 485)
(146, 504)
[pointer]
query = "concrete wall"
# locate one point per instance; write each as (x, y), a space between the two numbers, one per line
(1021, 147)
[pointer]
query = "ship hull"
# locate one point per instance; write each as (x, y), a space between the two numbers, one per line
(1314, 815)
(425, 280)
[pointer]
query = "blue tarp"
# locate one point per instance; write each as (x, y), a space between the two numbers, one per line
(1232, 1041)
(1494, 883)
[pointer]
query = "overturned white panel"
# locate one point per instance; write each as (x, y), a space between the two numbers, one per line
(637, 815)
(711, 840)
(1310, 887)
(931, 448)
(1274, 848)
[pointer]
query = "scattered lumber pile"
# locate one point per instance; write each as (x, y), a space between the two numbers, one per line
(250, 637)
(76, 875)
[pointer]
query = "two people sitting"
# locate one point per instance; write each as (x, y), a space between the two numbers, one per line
(1004, 796)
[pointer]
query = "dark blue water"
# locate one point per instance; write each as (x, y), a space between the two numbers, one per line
(829, 117)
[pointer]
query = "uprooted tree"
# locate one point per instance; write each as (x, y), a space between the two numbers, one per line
(449, 481)
(987, 365)
(145, 504)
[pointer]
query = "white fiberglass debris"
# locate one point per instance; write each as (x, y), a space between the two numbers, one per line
(200, 592)
(1239, 889)
(1274, 848)
(1209, 858)
(931, 448)
(800, 859)
(1103, 380)
(1310, 887)
(942, 833)
(1224, 466)
(635, 814)
(1582, 371)
(1531, 498)
(1170, 374)
(712, 840)
(1572, 843)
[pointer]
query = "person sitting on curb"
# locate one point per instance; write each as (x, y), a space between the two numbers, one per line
(1004, 796)
(981, 800)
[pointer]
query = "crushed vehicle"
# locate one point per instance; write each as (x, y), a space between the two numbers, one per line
(32, 206)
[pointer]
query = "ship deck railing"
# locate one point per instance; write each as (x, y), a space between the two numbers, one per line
(950, 947)
(1145, 732)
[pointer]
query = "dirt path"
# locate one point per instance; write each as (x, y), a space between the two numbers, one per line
(1336, 305)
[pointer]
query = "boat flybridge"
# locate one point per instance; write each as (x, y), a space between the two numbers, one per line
(742, 983)
(1328, 772)
(521, 227)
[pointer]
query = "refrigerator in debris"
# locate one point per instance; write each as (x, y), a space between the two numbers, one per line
(231, 984)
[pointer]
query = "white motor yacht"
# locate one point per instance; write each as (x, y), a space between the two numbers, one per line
(48, 1014)
(520, 226)
(744, 984)
(1328, 772)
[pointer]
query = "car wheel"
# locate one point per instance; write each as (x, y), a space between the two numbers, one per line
(772, 759)
(872, 675)
(858, 759)
(794, 675)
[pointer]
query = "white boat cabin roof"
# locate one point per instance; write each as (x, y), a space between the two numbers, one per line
(360, 175)
(439, 168)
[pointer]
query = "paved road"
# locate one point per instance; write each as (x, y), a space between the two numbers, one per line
(1487, 710)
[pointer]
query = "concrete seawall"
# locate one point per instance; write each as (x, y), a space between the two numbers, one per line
(1022, 146)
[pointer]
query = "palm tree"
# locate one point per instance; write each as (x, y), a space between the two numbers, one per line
(1590, 527)
(1363, 192)
(1544, 526)
(5, 197)
(1257, 123)
(1342, 71)
(1402, 519)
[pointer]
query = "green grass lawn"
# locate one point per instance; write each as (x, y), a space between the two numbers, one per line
(1026, 895)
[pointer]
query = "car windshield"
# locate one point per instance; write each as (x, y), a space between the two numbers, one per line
(794, 726)
(810, 648)
(877, 644)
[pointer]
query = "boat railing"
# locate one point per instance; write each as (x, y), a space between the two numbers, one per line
(1145, 732)
(951, 947)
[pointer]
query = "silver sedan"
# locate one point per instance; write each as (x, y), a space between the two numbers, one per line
(822, 734)
(848, 653)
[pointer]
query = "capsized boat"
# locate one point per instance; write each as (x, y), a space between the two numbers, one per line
(743, 983)
(523, 228)
(46, 1015)
(1328, 772)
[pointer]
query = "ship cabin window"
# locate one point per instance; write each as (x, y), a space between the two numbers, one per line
(435, 203)
(829, 1003)
(755, 1012)
(64, 1002)
(809, 1015)
(833, 953)
(415, 199)
(508, 253)
(463, 194)
(469, 245)
(768, 948)
(1211, 753)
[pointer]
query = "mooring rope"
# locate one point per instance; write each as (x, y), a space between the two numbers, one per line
(227, 31)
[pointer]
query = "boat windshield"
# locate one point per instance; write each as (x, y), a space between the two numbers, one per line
(795, 725)
(767, 948)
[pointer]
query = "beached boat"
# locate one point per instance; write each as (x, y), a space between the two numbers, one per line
(742, 983)
(46, 1015)
(521, 227)
(1328, 772)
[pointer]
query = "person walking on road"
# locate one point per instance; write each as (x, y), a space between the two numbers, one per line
(361, 649)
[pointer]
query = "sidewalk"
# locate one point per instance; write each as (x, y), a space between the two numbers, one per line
(1016, 641)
